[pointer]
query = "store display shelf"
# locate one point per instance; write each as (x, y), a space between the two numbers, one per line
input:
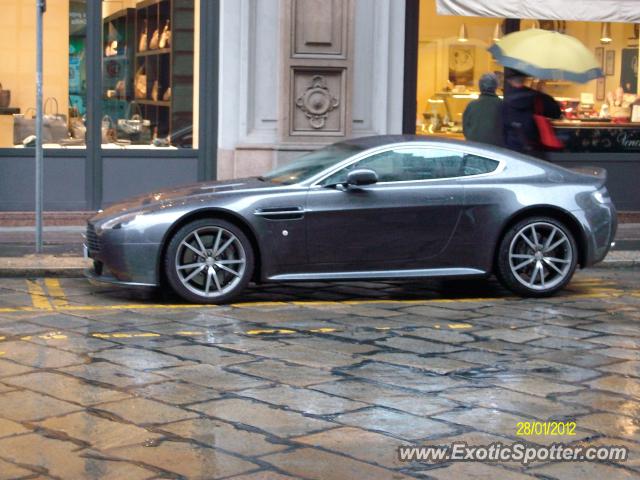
(152, 102)
(158, 51)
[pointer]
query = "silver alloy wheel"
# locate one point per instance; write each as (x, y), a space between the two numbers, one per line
(540, 256)
(210, 261)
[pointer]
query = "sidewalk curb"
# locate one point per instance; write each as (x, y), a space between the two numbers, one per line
(35, 272)
(618, 264)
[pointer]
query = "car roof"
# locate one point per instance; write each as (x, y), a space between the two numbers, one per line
(366, 143)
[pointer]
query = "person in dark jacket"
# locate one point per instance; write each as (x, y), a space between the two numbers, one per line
(520, 104)
(482, 119)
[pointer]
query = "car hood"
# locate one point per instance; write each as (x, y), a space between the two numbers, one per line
(181, 195)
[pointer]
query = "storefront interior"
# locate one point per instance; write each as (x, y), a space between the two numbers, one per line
(150, 65)
(452, 55)
(123, 110)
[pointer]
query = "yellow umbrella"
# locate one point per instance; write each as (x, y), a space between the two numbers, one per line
(547, 55)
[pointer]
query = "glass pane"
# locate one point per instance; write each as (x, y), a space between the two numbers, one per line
(405, 165)
(149, 70)
(64, 76)
(475, 165)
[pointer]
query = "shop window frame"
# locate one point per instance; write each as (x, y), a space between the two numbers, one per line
(94, 154)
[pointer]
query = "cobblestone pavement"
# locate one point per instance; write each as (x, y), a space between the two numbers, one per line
(315, 381)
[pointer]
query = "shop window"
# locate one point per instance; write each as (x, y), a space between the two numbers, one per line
(149, 70)
(64, 76)
(602, 115)
(452, 56)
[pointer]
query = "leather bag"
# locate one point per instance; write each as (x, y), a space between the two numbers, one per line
(143, 44)
(108, 130)
(548, 138)
(155, 91)
(155, 40)
(55, 128)
(134, 127)
(23, 126)
(165, 38)
(141, 84)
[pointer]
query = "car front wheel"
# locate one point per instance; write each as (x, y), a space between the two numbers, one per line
(209, 261)
(537, 257)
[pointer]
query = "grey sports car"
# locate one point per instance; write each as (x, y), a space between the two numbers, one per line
(387, 207)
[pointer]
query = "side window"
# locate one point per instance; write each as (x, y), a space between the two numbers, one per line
(407, 164)
(475, 165)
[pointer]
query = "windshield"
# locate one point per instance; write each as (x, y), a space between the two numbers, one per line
(311, 164)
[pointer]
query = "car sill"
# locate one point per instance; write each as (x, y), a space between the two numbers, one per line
(378, 274)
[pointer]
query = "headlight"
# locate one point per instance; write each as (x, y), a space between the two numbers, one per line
(121, 221)
(601, 196)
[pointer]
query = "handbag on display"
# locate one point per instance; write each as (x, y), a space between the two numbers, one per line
(120, 89)
(165, 38)
(155, 91)
(155, 40)
(111, 50)
(134, 127)
(141, 84)
(143, 44)
(108, 130)
(23, 126)
(54, 125)
(77, 128)
(5, 97)
(548, 137)
(167, 95)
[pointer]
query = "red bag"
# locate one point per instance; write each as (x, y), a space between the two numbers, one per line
(548, 137)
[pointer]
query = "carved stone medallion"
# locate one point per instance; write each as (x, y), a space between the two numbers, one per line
(316, 102)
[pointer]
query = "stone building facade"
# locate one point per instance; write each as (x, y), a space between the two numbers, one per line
(299, 74)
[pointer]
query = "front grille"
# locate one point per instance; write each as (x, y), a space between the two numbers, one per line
(93, 243)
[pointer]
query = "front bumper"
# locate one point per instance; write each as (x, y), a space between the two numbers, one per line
(119, 262)
(104, 279)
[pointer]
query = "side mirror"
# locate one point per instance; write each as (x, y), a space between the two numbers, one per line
(362, 177)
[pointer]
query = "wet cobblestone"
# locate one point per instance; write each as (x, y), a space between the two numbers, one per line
(313, 381)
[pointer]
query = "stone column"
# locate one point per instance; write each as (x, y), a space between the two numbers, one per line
(316, 70)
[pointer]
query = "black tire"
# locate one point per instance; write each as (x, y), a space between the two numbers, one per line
(200, 282)
(511, 277)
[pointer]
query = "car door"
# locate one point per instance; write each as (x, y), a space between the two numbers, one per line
(404, 221)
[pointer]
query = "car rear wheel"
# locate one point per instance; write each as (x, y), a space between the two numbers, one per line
(537, 257)
(209, 261)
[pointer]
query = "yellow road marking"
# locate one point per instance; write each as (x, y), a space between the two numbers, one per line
(269, 331)
(53, 336)
(187, 333)
(54, 288)
(456, 326)
(372, 301)
(40, 301)
(38, 297)
(259, 304)
(124, 335)
(323, 330)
